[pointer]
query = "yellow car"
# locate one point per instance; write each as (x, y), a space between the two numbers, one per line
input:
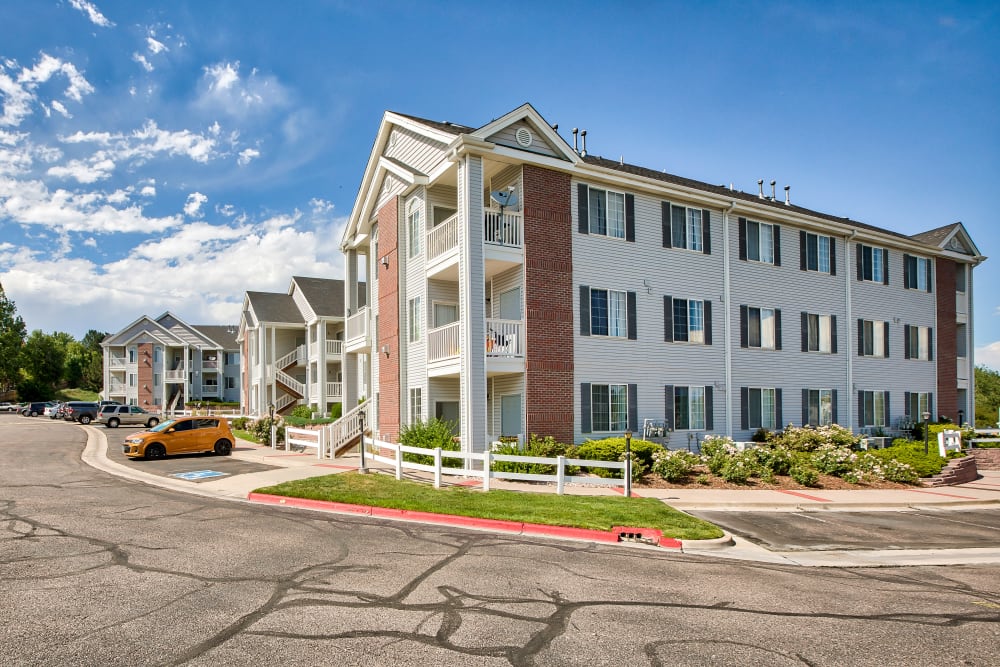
(184, 435)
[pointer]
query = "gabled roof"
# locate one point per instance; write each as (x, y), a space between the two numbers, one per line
(223, 335)
(953, 238)
(275, 308)
(325, 295)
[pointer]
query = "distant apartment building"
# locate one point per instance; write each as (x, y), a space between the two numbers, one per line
(292, 346)
(518, 285)
(163, 362)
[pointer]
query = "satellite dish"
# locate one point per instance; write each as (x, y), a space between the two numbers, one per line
(504, 198)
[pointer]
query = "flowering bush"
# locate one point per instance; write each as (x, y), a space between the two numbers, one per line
(261, 429)
(803, 474)
(739, 467)
(834, 460)
(808, 439)
(873, 466)
(775, 459)
(674, 466)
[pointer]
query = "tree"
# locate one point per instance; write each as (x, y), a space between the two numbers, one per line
(12, 335)
(43, 358)
(93, 366)
(987, 397)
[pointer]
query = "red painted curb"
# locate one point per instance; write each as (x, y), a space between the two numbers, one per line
(607, 536)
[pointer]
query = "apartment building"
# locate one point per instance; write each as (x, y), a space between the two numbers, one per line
(518, 285)
(163, 362)
(292, 346)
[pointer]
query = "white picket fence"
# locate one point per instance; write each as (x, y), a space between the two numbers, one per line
(476, 464)
(303, 437)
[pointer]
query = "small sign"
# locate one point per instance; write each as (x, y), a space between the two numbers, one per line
(198, 474)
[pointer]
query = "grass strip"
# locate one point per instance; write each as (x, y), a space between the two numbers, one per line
(593, 512)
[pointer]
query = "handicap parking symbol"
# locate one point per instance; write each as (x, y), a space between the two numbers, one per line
(198, 474)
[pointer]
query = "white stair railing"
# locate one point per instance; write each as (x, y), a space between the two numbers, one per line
(290, 382)
(345, 429)
(284, 401)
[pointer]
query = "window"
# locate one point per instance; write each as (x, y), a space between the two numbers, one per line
(156, 379)
(132, 355)
(819, 333)
(230, 383)
(414, 231)
(873, 408)
(817, 253)
(686, 228)
(132, 379)
(607, 213)
(960, 277)
(760, 242)
(917, 273)
(689, 408)
(157, 354)
(232, 358)
(919, 343)
(873, 338)
(760, 327)
(416, 406)
(414, 317)
(761, 408)
(445, 313)
(917, 403)
(686, 320)
(608, 313)
(818, 407)
(609, 407)
(873, 264)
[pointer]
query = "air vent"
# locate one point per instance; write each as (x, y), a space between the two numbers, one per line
(523, 136)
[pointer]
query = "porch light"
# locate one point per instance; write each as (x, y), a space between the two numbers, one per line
(628, 463)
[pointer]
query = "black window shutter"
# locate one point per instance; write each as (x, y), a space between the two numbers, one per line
(581, 205)
(888, 412)
(678, 215)
(744, 327)
(833, 256)
(861, 409)
(930, 406)
(833, 334)
(665, 223)
(707, 312)
(630, 314)
(706, 231)
(930, 343)
(906, 341)
(859, 249)
(709, 409)
(668, 319)
(906, 271)
(803, 240)
(668, 405)
(885, 266)
(805, 331)
(745, 408)
(633, 407)
(743, 240)
(861, 337)
(906, 403)
(777, 409)
(584, 310)
(585, 407)
(630, 217)
(930, 277)
(777, 245)
(885, 333)
(777, 328)
(805, 407)
(834, 397)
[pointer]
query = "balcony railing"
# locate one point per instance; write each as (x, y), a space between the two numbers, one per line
(357, 324)
(116, 363)
(443, 342)
(209, 390)
(210, 364)
(504, 338)
(174, 376)
(334, 389)
(334, 348)
(296, 356)
(504, 229)
(442, 238)
(117, 387)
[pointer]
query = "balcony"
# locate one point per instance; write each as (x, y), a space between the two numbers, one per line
(116, 363)
(174, 376)
(503, 238)
(209, 390)
(210, 364)
(504, 348)
(334, 348)
(357, 331)
(334, 391)
(116, 388)
(443, 342)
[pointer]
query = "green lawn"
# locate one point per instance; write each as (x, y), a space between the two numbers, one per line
(77, 395)
(246, 435)
(594, 512)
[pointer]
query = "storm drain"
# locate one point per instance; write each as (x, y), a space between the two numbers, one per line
(637, 537)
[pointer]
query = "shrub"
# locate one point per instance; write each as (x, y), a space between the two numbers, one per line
(716, 451)
(834, 460)
(261, 429)
(674, 466)
(808, 439)
(702, 479)
(760, 435)
(775, 459)
(613, 449)
(336, 410)
(739, 467)
(430, 435)
(911, 452)
(304, 411)
(546, 447)
(240, 423)
(299, 422)
(876, 466)
(803, 474)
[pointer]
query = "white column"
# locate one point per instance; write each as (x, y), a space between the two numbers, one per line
(472, 305)
(322, 398)
(349, 362)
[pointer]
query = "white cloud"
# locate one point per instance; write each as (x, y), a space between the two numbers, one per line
(321, 206)
(989, 355)
(156, 46)
(148, 191)
(95, 16)
(49, 66)
(96, 169)
(226, 90)
(227, 210)
(193, 205)
(183, 142)
(141, 59)
(20, 93)
(247, 155)
(61, 108)
(90, 242)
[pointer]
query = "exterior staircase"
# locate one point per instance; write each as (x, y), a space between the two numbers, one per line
(345, 433)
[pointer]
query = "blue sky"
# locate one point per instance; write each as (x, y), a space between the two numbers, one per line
(171, 155)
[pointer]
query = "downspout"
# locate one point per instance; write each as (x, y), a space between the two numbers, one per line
(728, 318)
(850, 354)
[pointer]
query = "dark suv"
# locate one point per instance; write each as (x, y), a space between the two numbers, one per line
(34, 409)
(80, 411)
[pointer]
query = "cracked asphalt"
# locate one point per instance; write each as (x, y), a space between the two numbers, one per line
(95, 569)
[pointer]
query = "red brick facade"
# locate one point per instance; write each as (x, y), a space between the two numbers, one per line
(144, 374)
(388, 322)
(947, 351)
(548, 295)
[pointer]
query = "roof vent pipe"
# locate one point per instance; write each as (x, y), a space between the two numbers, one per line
(788, 202)
(583, 138)
(773, 197)
(760, 185)
(576, 147)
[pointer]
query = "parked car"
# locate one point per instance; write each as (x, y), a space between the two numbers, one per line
(35, 408)
(183, 435)
(80, 411)
(54, 411)
(9, 407)
(113, 416)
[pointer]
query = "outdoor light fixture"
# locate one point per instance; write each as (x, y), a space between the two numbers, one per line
(927, 419)
(628, 463)
(385, 261)
(385, 351)
(361, 441)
